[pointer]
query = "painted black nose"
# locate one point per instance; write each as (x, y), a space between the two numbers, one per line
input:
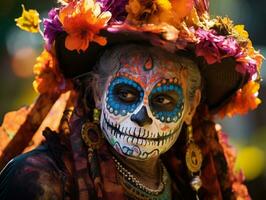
(141, 118)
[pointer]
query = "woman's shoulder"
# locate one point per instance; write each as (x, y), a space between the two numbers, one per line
(30, 176)
(34, 175)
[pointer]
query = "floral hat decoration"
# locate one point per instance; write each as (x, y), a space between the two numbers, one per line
(77, 30)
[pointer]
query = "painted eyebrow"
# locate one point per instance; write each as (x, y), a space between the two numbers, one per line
(135, 78)
(168, 81)
(168, 84)
(127, 81)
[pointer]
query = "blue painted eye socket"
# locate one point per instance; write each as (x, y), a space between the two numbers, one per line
(167, 102)
(124, 96)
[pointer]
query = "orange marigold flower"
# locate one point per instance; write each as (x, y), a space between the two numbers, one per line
(158, 11)
(245, 99)
(148, 11)
(83, 20)
(48, 78)
(181, 9)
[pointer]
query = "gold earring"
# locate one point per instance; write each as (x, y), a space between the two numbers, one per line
(96, 115)
(93, 138)
(193, 160)
(91, 134)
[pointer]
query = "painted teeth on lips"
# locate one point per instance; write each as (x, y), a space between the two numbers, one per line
(140, 133)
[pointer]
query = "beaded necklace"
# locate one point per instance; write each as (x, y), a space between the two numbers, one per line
(136, 189)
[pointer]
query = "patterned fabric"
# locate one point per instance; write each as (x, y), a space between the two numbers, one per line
(30, 176)
(39, 174)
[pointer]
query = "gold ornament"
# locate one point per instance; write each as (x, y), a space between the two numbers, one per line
(96, 115)
(193, 161)
(193, 158)
(193, 153)
(91, 135)
(196, 183)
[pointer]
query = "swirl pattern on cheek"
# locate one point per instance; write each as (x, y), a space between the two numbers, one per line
(117, 107)
(175, 114)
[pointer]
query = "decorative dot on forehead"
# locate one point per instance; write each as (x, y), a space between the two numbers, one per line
(123, 74)
(148, 64)
(167, 81)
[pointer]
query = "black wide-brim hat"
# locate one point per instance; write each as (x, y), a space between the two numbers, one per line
(228, 63)
(220, 80)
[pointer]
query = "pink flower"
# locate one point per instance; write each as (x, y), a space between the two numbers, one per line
(207, 46)
(215, 47)
(229, 46)
(209, 51)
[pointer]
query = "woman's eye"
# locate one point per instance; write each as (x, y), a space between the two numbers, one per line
(126, 94)
(162, 100)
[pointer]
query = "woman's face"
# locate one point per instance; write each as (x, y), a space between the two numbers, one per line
(144, 106)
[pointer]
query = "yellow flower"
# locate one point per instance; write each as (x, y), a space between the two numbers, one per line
(242, 36)
(165, 4)
(223, 26)
(29, 21)
(148, 11)
(239, 31)
(158, 11)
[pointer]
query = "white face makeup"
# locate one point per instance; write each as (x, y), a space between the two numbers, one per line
(143, 106)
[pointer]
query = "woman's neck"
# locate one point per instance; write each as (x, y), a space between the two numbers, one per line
(148, 172)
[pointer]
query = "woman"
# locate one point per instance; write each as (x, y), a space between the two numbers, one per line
(142, 124)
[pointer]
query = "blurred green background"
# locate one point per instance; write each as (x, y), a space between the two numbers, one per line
(18, 51)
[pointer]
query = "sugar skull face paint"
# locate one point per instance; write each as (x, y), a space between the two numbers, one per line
(143, 106)
(166, 101)
(124, 96)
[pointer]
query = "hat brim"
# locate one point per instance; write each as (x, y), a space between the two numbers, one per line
(220, 80)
